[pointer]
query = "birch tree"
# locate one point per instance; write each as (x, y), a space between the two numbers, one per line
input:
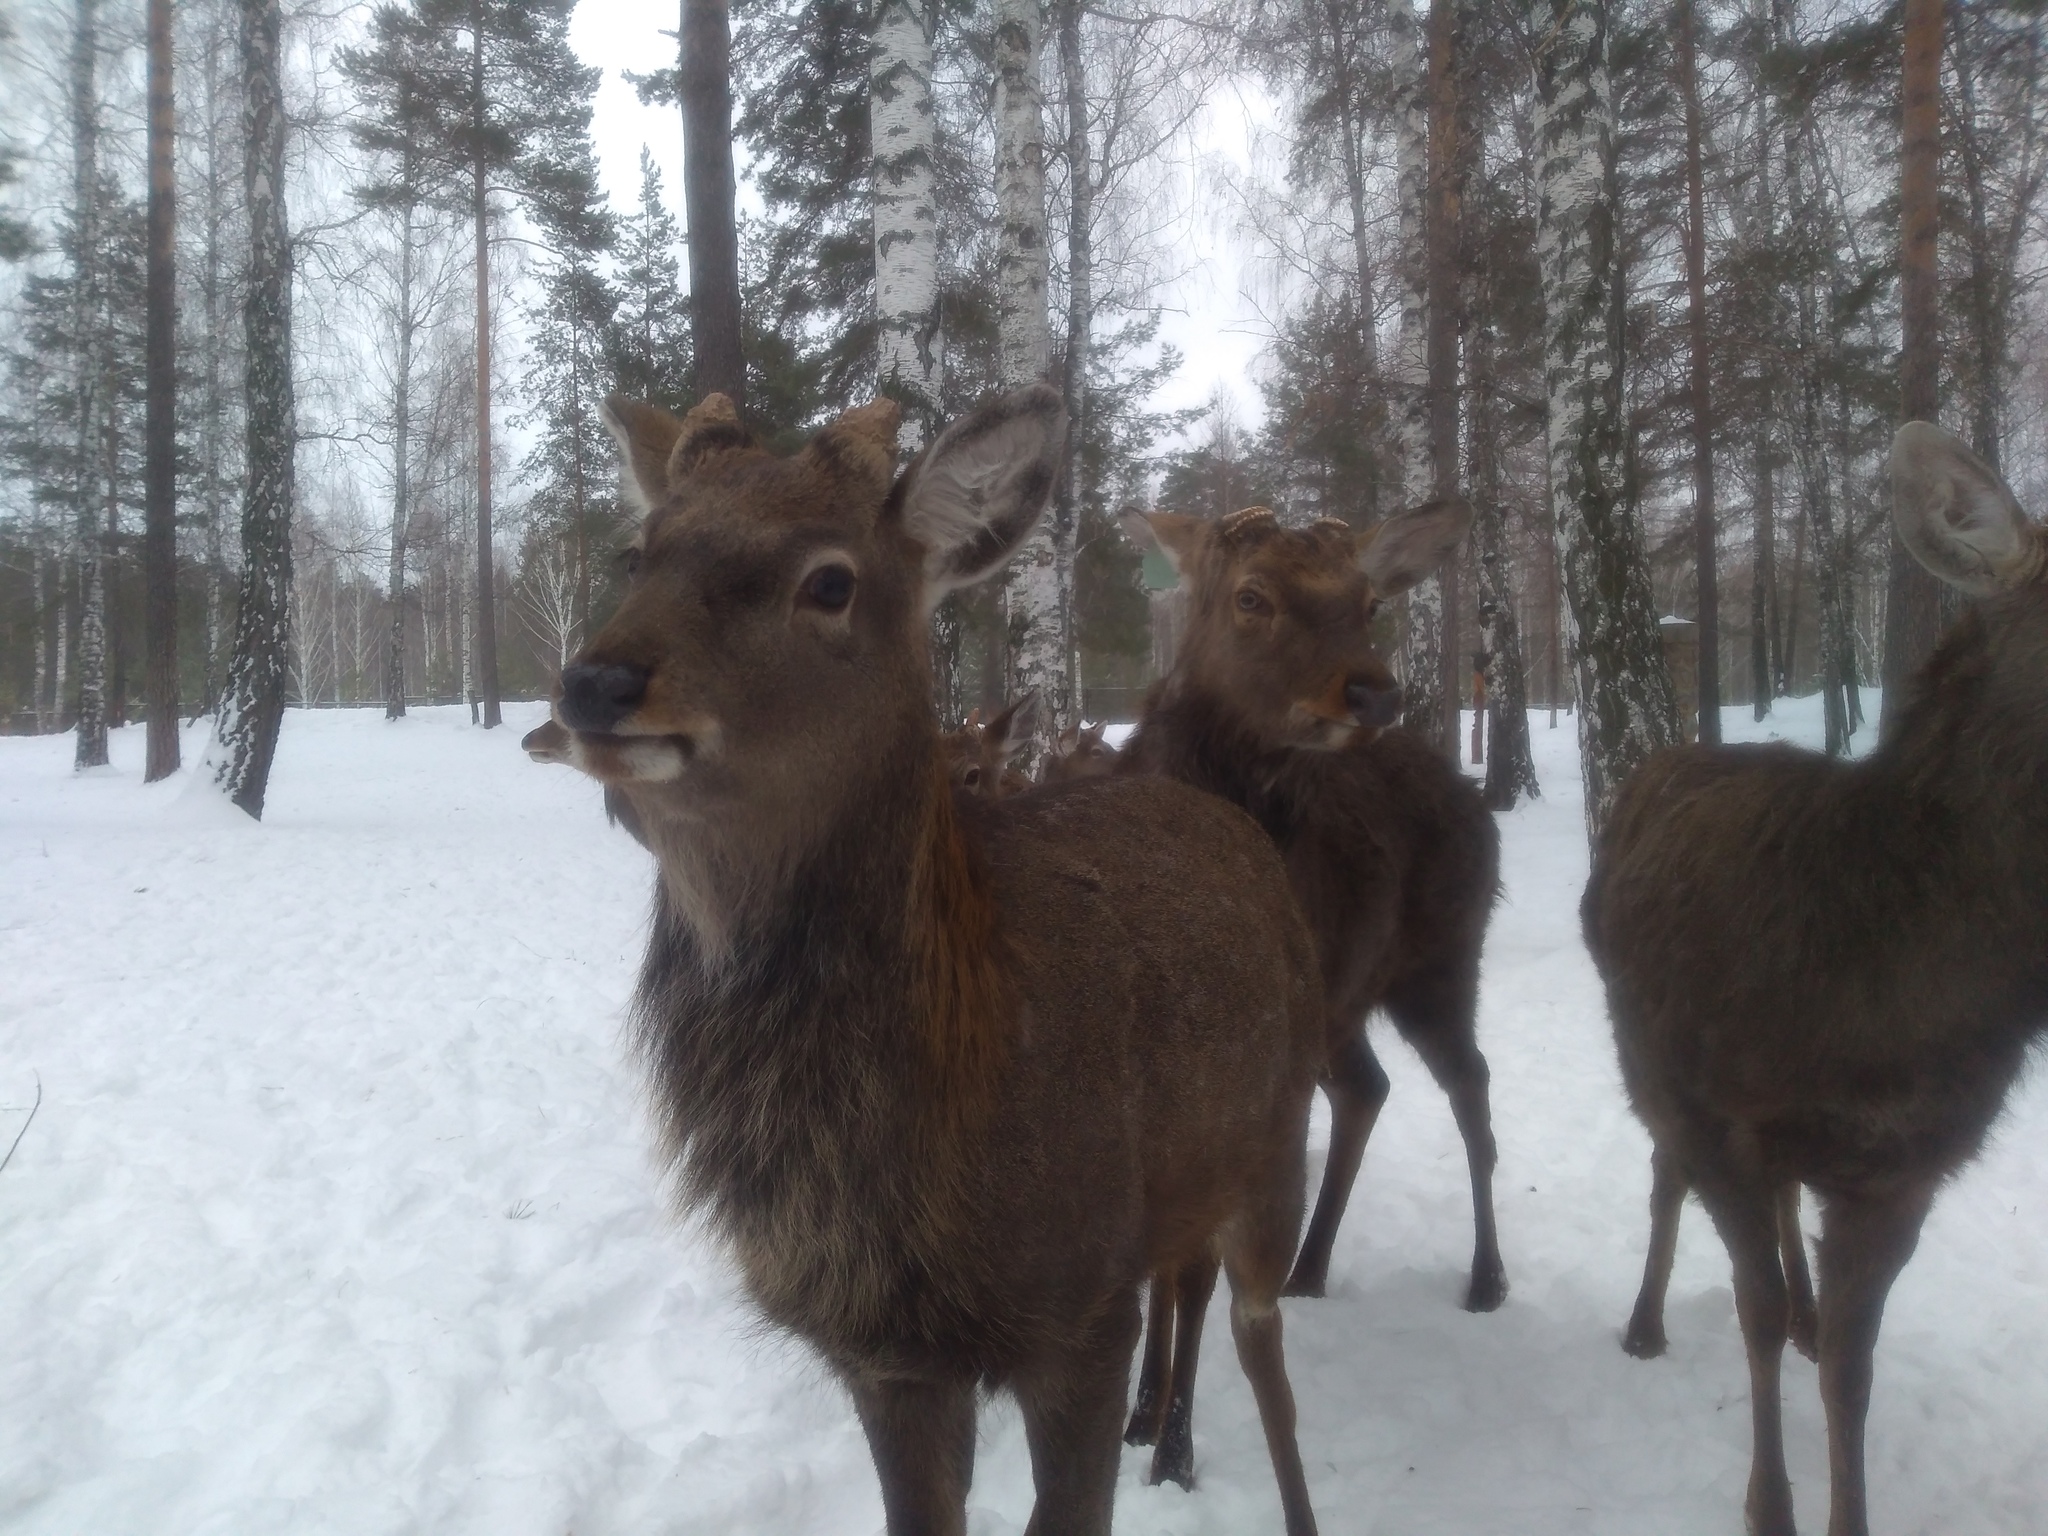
(910, 341)
(1037, 608)
(1422, 641)
(252, 707)
(1627, 710)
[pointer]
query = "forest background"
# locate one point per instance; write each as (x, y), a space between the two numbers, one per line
(303, 350)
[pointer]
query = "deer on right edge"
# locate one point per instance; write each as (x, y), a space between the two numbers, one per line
(1829, 973)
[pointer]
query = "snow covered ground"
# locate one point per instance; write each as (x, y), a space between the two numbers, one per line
(337, 1214)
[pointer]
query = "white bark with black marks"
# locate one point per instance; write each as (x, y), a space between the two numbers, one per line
(1627, 709)
(910, 341)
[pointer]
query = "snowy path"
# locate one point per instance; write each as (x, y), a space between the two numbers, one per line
(337, 1216)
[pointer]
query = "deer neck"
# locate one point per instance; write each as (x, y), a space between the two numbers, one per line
(823, 1055)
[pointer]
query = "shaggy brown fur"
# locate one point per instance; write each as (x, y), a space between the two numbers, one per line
(1827, 973)
(950, 1075)
(1389, 849)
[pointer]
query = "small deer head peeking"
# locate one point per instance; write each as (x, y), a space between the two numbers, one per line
(771, 642)
(978, 756)
(1280, 620)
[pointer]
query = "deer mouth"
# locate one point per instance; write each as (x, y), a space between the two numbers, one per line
(622, 757)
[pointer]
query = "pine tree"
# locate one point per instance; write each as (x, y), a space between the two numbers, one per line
(649, 339)
(160, 427)
(704, 82)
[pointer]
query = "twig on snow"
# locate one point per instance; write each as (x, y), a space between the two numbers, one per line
(4, 1161)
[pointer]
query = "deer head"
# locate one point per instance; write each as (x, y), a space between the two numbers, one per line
(1280, 619)
(770, 648)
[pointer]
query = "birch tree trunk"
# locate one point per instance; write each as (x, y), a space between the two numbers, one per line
(401, 461)
(1912, 596)
(1036, 613)
(708, 200)
(252, 706)
(160, 424)
(92, 550)
(1705, 528)
(1080, 336)
(910, 341)
(1510, 766)
(1626, 707)
(1443, 212)
(486, 557)
(1422, 638)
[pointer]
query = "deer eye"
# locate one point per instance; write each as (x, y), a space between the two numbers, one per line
(830, 588)
(629, 561)
(1372, 608)
(1249, 601)
(971, 777)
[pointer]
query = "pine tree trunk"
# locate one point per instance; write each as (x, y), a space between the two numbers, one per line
(486, 583)
(1705, 527)
(1032, 597)
(213, 428)
(1766, 648)
(1912, 596)
(401, 465)
(708, 199)
(252, 706)
(38, 597)
(1422, 634)
(1447, 161)
(160, 426)
(92, 648)
(1626, 707)
(910, 342)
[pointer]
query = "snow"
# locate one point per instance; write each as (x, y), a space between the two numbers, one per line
(338, 1214)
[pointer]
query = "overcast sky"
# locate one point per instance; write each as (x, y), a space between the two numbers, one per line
(1209, 315)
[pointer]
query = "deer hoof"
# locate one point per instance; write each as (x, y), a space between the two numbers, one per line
(1644, 1343)
(1486, 1292)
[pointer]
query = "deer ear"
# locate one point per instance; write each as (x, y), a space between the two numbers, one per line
(1955, 513)
(1399, 552)
(647, 436)
(976, 493)
(1174, 535)
(1011, 731)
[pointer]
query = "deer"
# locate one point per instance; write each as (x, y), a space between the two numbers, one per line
(1279, 703)
(1079, 753)
(948, 1076)
(1828, 973)
(979, 755)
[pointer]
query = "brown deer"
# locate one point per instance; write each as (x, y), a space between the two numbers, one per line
(978, 756)
(1079, 753)
(1278, 703)
(950, 1076)
(1828, 973)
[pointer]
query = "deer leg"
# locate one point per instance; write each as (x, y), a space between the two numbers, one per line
(1255, 1257)
(1357, 1087)
(1439, 1017)
(1645, 1337)
(1174, 1460)
(1072, 1407)
(1154, 1369)
(1864, 1244)
(1804, 1325)
(921, 1435)
(1747, 1220)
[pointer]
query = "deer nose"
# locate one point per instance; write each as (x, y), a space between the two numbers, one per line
(596, 695)
(1373, 705)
